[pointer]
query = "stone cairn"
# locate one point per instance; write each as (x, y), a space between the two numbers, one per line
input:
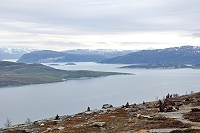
(57, 117)
(169, 104)
(88, 109)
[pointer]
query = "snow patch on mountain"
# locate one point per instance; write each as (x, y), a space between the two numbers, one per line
(13, 53)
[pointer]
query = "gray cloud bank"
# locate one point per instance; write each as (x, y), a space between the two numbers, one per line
(105, 15)
(90, 17)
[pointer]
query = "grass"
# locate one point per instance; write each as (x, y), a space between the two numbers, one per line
(14, 74)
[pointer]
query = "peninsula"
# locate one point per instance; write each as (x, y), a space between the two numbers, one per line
(16, 74)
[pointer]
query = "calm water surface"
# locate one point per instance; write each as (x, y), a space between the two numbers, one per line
(47, 100)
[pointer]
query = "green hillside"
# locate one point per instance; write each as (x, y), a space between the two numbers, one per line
(15, 74)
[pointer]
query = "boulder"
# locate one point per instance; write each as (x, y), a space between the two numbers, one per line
(99, 124)
(141, 107)
(106, 106)
(61, 128)
(159, 117)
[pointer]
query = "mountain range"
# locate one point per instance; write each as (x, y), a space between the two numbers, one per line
(79, 55)
(46, 56)
(108, 53)
(13, 53)
(182, 55)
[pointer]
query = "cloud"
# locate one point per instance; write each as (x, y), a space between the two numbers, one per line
(61, 20)
(105, 16)
(196, 34)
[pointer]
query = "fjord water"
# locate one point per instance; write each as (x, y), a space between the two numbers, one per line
(65, 98)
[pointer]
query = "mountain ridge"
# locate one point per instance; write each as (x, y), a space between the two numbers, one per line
(47, 56)
(109, 53)
(77, 55)
(13, 53)
(183, 55)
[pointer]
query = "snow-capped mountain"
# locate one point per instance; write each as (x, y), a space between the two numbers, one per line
(46, 56)
(78, 55)
(13, 53)
(183, 54)
(109, 53)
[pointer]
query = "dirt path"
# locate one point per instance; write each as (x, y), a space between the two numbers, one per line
(179, 116)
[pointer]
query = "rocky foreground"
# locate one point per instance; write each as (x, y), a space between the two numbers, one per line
(174, 114)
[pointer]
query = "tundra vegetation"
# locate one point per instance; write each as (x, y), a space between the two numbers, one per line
(173, 114)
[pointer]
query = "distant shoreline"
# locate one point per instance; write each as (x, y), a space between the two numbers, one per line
(162, 66)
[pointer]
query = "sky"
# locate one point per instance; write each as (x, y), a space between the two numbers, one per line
(99, 24)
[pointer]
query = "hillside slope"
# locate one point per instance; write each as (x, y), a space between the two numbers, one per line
(77, 55)
(130, 118)
(108, 53)
(46, 56)
(182, 55)
(15, 74)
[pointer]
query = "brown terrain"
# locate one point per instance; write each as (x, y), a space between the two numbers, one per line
(173, 114)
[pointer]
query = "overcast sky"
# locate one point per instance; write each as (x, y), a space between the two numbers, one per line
(99, 24)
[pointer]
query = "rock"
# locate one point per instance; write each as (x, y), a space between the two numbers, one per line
(149, 105)
(139, 116)
(127, 105)
(106, 106)
(29, 130)
(169, 108)
(179, 103)
(150, 117)
(42, 124)
(177, 131)
(132, 115)
(88, 109)
(141, 107)
(195, 109)
(99, 124)
(105, 111)
(35, 122)
(170, 104)
(61, 128)
(159, 117)
(187, 99)
(131, 109)
(57, 117)
(161, 106)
